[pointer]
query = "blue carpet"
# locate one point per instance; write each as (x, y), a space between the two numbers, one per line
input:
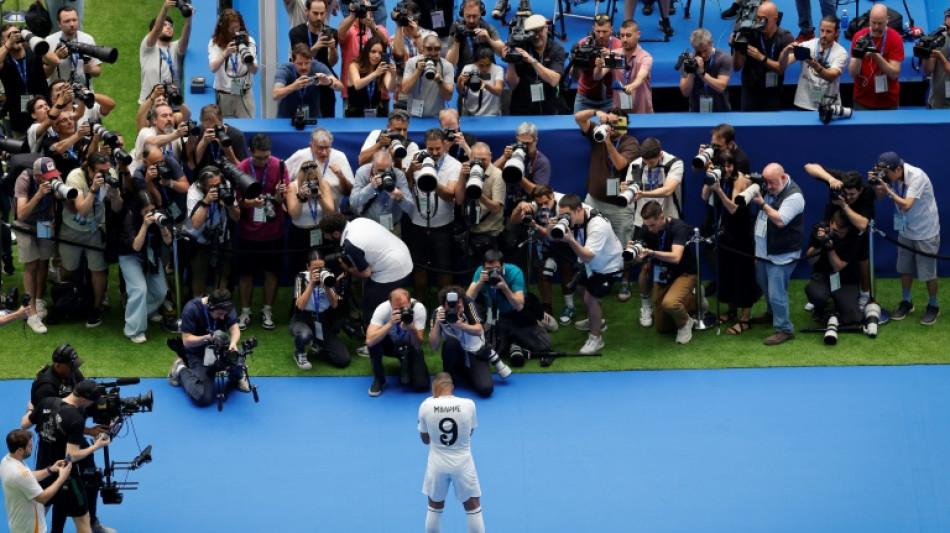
(805, 449)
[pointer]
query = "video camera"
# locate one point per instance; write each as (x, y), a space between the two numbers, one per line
(102, 53)
(686, 62)
(585, 52)
(518, 37)
(111, 407)
(401, 15)
(359, 9)
(930, 42)
(748, 25)
(864, 45)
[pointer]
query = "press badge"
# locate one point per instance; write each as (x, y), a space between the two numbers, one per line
(771, 80)
(613, 186)
(835, 280)
(237, 86)
(44, 229)
(415, 109)
(424, 203)
(880, 83)
(817, 94)
(438, 19)
(626, 101)
(369, 113)
(705, 103)
(151, 256)
(175, 211)
(386, 221)
(659, 274)
(209, 356)
(946, 87)
(258, 215)
(24, 98)
(317, 329)
(537, 92)
(761, 226)
(900, 221)
(316, 237)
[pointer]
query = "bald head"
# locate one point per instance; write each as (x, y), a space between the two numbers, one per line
(770, 11)
(878, 20)
(775, 178)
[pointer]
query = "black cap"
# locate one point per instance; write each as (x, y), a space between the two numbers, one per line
(889, 160)
(67, 355)
(87, 389)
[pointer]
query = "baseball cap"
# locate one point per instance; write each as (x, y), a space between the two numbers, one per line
(535, 22)
(87, 389)
(66, 354)
(889, 160)
(46, 167)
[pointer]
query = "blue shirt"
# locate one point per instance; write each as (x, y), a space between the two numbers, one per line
(310, 96)
(194, 320)
(513, 277)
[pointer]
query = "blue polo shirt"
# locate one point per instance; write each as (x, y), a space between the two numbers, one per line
(286, 75)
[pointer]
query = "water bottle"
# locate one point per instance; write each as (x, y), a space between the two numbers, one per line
(844, 19)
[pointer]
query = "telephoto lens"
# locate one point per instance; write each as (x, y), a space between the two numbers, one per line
(831, 331)
(703, 158)
(562, 227)
(427, 177)
(500, 366)
(327, 279)
(632, 251)
(745, 197)
(63, 191)
(516, 355)
(601, 133)
(872, 316)
(475, 182)
(550, 267)
(713, 176)
(514, 167)
(162, 219)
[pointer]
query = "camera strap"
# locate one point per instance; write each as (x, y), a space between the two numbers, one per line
(167, 58)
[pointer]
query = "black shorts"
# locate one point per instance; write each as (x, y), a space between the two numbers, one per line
(598, 285)
(437, 250)
(70, 499)
(260, 256)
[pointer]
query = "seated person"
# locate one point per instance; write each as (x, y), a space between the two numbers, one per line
(833, 253)
(315, 320)
(396, 331)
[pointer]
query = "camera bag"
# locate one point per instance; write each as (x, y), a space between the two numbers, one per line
(895, 21)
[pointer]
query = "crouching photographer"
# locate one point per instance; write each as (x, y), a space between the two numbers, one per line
(833, 252)
(465, 353)
(396, 331)
(204, 322)
(513, 315)
(314, 319)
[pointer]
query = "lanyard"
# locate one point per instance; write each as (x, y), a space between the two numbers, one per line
(313, 209)
(628, 69)
(215, 151)
(168, 61)
(653, 178)
(315, 295)
(903, 189)
(263, 179)
(212, 213)
(771, 50)
(303, 92)
(165, 196)
(234, 63)
(824, 60)
(663, 241)
(371, 90)
(609, 160)
(438, 168)
(409, 45)
(210, 323)
(21, 68)
(323, 171)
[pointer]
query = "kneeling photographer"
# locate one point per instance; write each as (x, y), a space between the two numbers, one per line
(513, 315)
(211, 201)
(314, 320)
(833, 251)
(396, 331)
(208, 327)
(465, 353)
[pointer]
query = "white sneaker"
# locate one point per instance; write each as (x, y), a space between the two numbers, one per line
(685, 333)
(584, 325)
(549, 323)
(138, 339)
(157, 317)
(177, 366)
(646, 316)
(592, 345)
(302, 362)
(36, 324)
(809, 306)
(244, 319)
(41, 308)
(267, 319)
(363, 351)
(863, 301)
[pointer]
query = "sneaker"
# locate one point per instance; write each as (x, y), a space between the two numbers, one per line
(41, 308)
(646, 316)
(625, 292)
(731, 12)
(501, 7)
(524, 7)
(647, 8)
(267, 319)
(592, 345)
(685, 333)
(567, 316)
(377, 387)
(99, 528)
(549, 323)
(666, 28)
(36, 324)
(584, 325)
(242, 384)
(903, 309)
(157, 317)
(177, 366)
(516, 355)
(302, 362)
(8, 266)
(930, 315)
(809, 306)
(244, 319)
(363, 351)
(95, 318)
(138, 338)
(863, 301)
(804, 36)
(105, 299)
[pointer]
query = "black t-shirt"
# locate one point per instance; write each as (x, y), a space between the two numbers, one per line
(12, 78)
(167, 195)
(756, 97)
(302, 35)
(67, 161)
(426, 7)
(552, 58)
(742, 160)
(456, 150)
(863, 206)
(57, 424)
(848, 249)
(468, 48)
(676, 232)
(48, 385)
(196, 320)
(213, 151)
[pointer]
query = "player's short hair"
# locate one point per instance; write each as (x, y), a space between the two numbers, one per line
(541, 190)
(19, 438)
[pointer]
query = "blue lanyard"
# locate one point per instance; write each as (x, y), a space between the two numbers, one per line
(438, 168)
(410, 46)
(609, 160)
(323, 171)
(263, 178)
(21, 68)
(165, 196)
(313, 209)
(628, 70)
(74, 59)
(303, 92)
(371, 90)
(824, 60)
(663, 241)
(210, 323)
(168, 61)
(771, 51)
(315, 295)
(653, 178)
(234, 63)
(903, 190)
(215, 150)
(212, 213)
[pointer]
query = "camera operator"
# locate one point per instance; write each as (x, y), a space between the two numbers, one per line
(23, 74)
(398, 124)
(314, 320)
(833, 251)
(371, 81)
(456, 144)
(218, 140)
(72, 66)
(396, 330)
(707, 85)
(70, 145)
(483, 100)
(228, 53)
(334, 167)
(164, 179)
(163, 132)
(201, 318)
(429, 228)
(598, 251)
(762, 73)
(84, 224)
(823, 67)
(321, 40)
(535, 80)
(917, 223)
(299, 85)
(206, 224)
(595, 81)
(484, 216)
(723, 137)
(140, 260)
(465, 353)
(876, 73)
(428, 96)
(354, 33)
(61, 427)
(470, 34)
(160, 57)
(669, 259)
(24, 495)
(510, 312)
(143, 117)
(309, 199)
(631, 84)
(373, 199)
(937, 66)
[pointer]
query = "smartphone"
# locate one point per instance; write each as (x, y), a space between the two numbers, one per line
(68, 458)
(801, 53)
(387, 57)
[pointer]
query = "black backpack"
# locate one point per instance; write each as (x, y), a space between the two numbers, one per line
(895, 21)
(38, 20)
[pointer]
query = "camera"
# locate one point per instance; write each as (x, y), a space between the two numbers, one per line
(745, 197)
(109, 180)
(13, 146)
(406, 314)
(703, 158)
(111, 139)
(250, 187)
(601, 133)
(461, 31)
(614, 60)
(161, 218)
(836, 194)
(397, 144)
(11, 301)
(549, 268)
(451, 312)
(184, 7)
(83, 94)
(476, 180)
(872, 316)
(388, 178)
(243, 43)
(714, 175)
(561, 228)
(831, 330)
(102, 53)
(626, 197)
(686, 62)
(518, 37)
(429, 68)
(270, 213)
(514, 167)
(360, 10)
(828, 110)
(111, 406)
(475, 79)
(427, 177)
(326, 278)
(225, 193)
(63, 191)
(401, 15)
(747, 25)
(632, 251)
(165, 173)
(221, 135)
(862, 46)
(877, 177)
(299, 120)
(584, 53)
(449, 135)
(36, 43)
(928, 43)
(194, 129)
(172, 94)
(829, 238)
(495, 276)
(500, 366)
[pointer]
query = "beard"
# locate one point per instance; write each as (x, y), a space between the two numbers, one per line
(165, 38)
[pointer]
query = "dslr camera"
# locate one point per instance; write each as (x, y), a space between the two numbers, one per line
(877, 177)
(626, 197)
(495, 276)
(388, 179)
(514, 167)
(561, 228)
(406, 315)
(461, 31)
(829, 110)
(83, 94)
(451, 311)
(11, 301)
(826, 236)
(243, 43)
(172, 94)
(704, 157)
(686, 62)
(475, 78)
(714, 175)
(632, 251)
(401, 15)
(427, 177)
(476, 180)
(397, 145)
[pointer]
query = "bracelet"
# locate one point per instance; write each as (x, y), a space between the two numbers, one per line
(48, 470)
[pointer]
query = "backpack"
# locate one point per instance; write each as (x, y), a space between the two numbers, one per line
(38, 20)
(895, 21)
(71, 301)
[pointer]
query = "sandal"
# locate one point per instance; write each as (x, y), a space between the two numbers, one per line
(738, 327)
(727, 317)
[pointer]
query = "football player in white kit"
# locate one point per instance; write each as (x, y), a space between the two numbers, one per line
(446, 424)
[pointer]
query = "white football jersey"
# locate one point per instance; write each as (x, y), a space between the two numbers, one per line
(449, 421)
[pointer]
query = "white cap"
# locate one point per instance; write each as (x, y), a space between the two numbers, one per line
(535, 22)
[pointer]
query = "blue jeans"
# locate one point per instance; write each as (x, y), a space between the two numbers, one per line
(804, 13)
(773, 280)
(146, 293)
(582, 102)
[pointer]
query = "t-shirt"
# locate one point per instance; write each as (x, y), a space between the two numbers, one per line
(47, 384)
(923, 222)
(812, 88)
(513, 277)
(96, 216)
(350, 45)
(159, 63)
(370, 245)
(438, 211)
(295, 161)
(939, 95)
(71, 67)
(250, 225)
(232, 68)
(847, 249)
(57, 424)
(449, 422)
(676, 232)
(373, 136)
(603, 242)
(470, 343)
(384, 312)
(552, 57)
(656, 178)
(601, 166)
(892, 48)
(469, 47)
(642, 98)
(494, 188)
(14, 86)
(483, 103)
(301, 34)
(216, 218)
(196, 320)
(170, 199)
(427, 91)
(720, 62)
(310, 96)
(597, 89)
(25, 188)
(24, 513)
(761, 87)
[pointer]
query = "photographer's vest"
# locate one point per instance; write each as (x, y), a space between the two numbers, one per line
(789, 238)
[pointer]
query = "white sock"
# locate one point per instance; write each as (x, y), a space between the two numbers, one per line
(569, 300)
(433, 520)
(645, 301)
(865, 294)
(476, 522)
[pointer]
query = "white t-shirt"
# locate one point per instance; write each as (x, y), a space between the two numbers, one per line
(923, 222)
(155, 68)
(384, 312)
(296, 12)
(149, 131)
(439, 211)
(605, 245)
(449, 421)
(811, 87)
(386, 254)
(24, 513)
(310, 212)
(656, 178)
(304, 154)
(227, 72)
(483, 103)
(72, 62)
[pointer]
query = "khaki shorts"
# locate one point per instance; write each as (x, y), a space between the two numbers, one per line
(30, 248)
(71, 255)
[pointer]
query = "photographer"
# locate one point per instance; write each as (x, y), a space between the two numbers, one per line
(309, 198)
(158, 97)
(406, 43)
(70, 145)
(160, 57)
(937, 66)
(706, 86)
(485, 215)
(140, 260)
(165, 181)
(232, 56)
(723, 137)
(876, 63)
(217, 140)
(397, 128)
(206, 225)
(481, 85)
(314, 319)
(512, 315)
(833, 251)
(537, 167)
(72, 66)
(632, 93)
(298, 84)
(371, 82)
(534, 81)
(23, 74)
(427, 97)
(595, 81)
(669, 257)
(383, 203)
(84, 224)
(599, 259)
(163, 132)
(455, 143)
(762, 73)
(465, 353)
(917, 223)
(321, 40)
(396, 330)
(821, 69)
(203, 320)
(24, 495)
(334, 168)
(470, 34)
(354, 33)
